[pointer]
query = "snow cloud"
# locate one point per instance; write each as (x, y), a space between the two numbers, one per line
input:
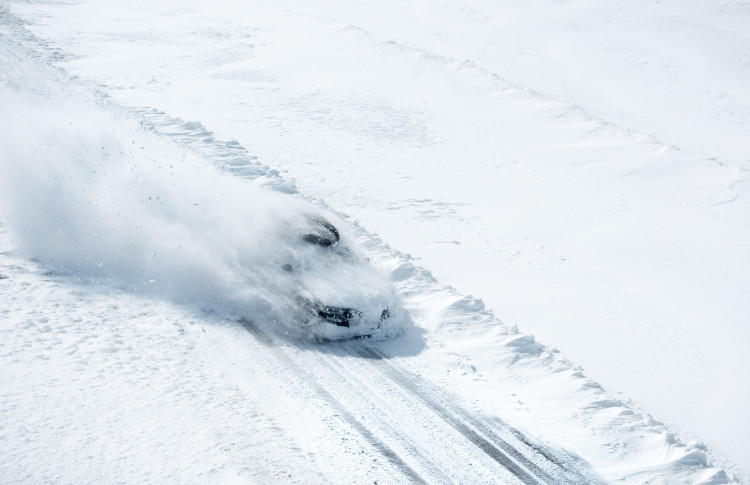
(101, 198)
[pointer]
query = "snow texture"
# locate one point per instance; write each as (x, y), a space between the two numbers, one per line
(581, 168)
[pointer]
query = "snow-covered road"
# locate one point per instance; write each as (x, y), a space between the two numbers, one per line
(126, 389)
(447, 136)
(435, 439)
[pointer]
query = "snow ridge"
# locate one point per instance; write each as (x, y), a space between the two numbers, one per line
(228, 155)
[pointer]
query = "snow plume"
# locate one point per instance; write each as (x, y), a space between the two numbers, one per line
(103, 200)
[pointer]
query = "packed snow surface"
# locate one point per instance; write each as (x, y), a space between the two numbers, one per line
(580, 167)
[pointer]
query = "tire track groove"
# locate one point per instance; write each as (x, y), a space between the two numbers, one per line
(384, 449)
(452, 419)
(362, 391)
(491, 442)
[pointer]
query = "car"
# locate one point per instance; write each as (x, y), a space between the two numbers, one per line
(339, 295)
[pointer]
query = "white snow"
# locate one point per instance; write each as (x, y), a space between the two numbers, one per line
(106, 202)
(580, 167)
(99, 385)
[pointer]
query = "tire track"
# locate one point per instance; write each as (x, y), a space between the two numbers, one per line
(573, 464)
(528, 460)
(459, 425)
(479, 432)
(435, 474)
(379, 445)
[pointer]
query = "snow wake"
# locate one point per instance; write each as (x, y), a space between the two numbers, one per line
(91, 193)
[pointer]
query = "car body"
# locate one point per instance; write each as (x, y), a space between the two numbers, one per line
(339, 295)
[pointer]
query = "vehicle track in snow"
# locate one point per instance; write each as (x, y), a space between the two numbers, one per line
(298, 372)
(423, 431)
(482, 433)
